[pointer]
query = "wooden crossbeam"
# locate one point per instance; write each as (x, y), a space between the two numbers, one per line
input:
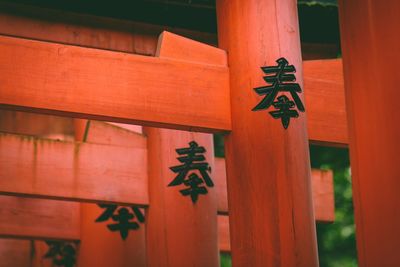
(325, 103)
(98, 84)
(48, 177)
(135, 96)
(72, 171)
(39, 218)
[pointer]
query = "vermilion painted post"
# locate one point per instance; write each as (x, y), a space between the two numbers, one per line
(98, 245)
(268, 169)
(179, 232)
(371, 56)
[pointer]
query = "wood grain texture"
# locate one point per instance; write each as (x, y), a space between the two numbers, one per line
(180, 48)
(111, 86)
(102, 248)
(370, 45)
(326, 109)
(96, 239)
(15, 253)
(268, 169)
(324, 95)
(323, 195)
(86, 30)
(34, 124)
(72, 171)
(31, 218)
(224, 240)
(322, 189)
(114, 135)
(179, 232)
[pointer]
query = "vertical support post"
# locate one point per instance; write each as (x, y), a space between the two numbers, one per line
(99, 246)
(268, 169)
(371, 56)
(179, 232)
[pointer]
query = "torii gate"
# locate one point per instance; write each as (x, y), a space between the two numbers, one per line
(274, 229)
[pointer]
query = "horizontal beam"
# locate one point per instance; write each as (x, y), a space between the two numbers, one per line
(97, 84)
(39, 218)
(323, 83)
(72, 171)
(84, 171)
(325, 102)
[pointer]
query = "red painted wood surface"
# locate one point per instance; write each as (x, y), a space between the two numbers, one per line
(87, 31)
(72, 171)
(268, 168)
(326, 103)
(39, 125)
(323, 195)
(110, 249)
(102, 248)
(322, 190)
(324, 95)
(180, 233)
(326, 124)
(39, 218)
(371, 54)
(15, 253)
(111, 86)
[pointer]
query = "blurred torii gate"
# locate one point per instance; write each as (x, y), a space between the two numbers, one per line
(267, 229)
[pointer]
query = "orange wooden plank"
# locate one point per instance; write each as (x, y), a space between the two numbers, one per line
(105, 85)
(68, 171)
(324, 94)
(220, 185)
(96, 239)
(180, 233)
(370, 46)
(15, 253)
(34, 124)
(224, 240)
(32, 218)
(179, 48)
(268, 169)
(102, 248)
(85, 30)
(322, 189)
(105, 133)
(323, 195)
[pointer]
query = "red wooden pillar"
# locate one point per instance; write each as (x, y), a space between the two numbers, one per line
(371, 56)
(268, 168)
(99, 246)
(179, 233)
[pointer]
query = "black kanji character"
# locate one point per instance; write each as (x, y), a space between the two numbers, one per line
(61, 253)
(284, 111)
(191, 162)
(123, 217)
(282, 79)
(124, 225)
(194, 190)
